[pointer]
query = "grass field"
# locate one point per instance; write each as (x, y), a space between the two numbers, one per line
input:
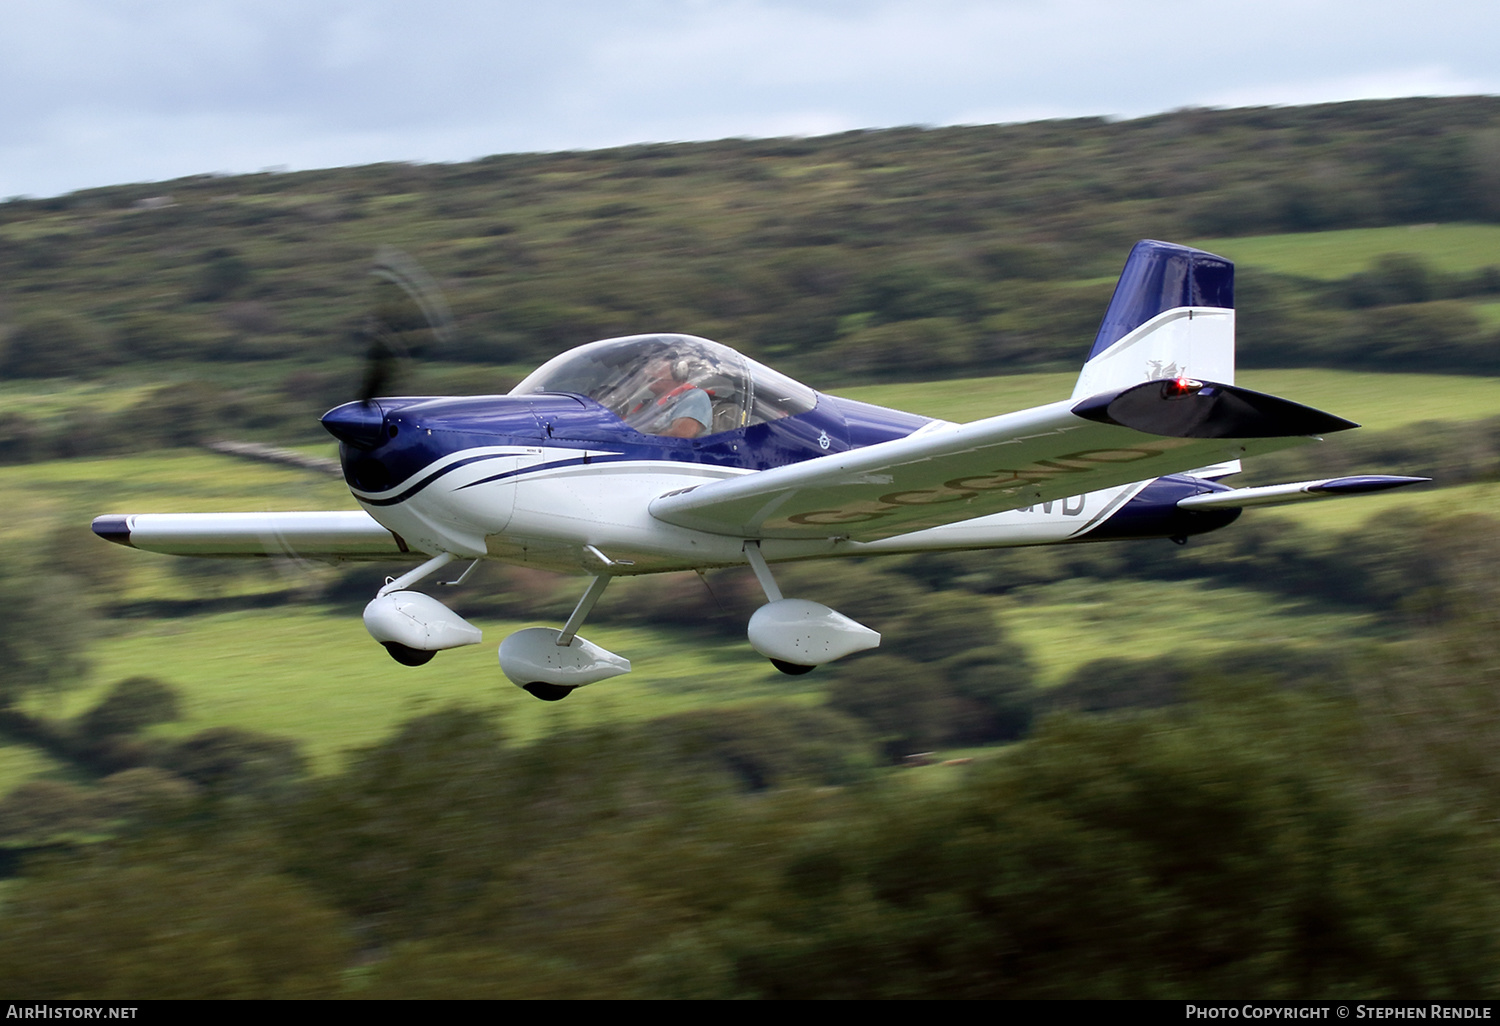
(178, 480)
(1343, 516)
(62, 497)
(1337, 254)
(312, 674)
(1067, 624)
(1488, 313)
(309, 673)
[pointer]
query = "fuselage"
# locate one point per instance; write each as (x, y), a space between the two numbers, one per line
(560, 481)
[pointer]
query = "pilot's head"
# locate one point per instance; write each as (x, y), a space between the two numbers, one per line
(661, 375)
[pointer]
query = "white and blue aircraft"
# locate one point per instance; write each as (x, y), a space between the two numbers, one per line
(657, 453)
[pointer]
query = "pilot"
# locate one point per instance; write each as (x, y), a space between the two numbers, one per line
(680, 409)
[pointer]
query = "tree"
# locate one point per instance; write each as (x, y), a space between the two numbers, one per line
(162, 924)
(43, 644)
(51, 345)
(222, 274)
(132, 704)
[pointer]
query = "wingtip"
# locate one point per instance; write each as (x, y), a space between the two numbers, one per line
(1360, 484)
(113, 527)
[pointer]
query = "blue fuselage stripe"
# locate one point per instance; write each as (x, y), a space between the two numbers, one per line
(420, 485)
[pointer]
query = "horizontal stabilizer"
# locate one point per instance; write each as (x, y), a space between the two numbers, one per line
(1183, 408)
(340, 535)
(1300, 491)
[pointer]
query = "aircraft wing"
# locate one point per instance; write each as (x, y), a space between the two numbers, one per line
(1001, 463)
(336, 536)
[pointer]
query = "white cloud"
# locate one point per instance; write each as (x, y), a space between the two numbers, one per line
(102, 91)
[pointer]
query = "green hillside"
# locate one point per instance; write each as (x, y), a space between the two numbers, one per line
(1329, 255)
(867, 256)
(1376, 401)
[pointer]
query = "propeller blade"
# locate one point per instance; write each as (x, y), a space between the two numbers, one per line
(408, 317)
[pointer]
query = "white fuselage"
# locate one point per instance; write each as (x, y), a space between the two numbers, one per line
(542, 507)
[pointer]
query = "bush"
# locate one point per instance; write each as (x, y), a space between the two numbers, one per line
(55, 345)
(132, 704)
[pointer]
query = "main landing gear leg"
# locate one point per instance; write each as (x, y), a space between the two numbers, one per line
(582, 610)
(549, 664)
(798, 635)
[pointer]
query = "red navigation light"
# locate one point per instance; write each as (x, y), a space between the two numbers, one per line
(1176, 388)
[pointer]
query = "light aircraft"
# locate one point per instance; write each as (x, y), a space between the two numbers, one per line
(656, 453)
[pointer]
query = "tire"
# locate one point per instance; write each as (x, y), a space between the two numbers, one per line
(408, 656)
(547, 692)
(792, 669)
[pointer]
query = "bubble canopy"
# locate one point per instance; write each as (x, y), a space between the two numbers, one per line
(645, 379)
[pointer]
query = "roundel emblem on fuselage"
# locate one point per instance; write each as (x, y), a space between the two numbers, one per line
(823, 440)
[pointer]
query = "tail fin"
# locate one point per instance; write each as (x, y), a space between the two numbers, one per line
(1172, 316)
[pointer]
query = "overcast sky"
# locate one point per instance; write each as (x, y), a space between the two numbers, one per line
(98, 92)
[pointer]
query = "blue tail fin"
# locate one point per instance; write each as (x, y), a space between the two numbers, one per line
(1172, 315)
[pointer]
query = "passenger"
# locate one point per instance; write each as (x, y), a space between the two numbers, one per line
(680, 410)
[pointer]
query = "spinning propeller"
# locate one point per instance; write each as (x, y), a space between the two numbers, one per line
(408, 317)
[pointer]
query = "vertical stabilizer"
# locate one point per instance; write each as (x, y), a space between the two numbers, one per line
(1172, 316)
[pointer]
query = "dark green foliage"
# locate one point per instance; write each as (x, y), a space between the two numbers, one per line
(234, 761)
(186, 413)
(1450, 453)
(156, 336)
(407, 836)
(55, 345)
(944, 676)
(47, 812)
(145, 794)
(1406, 567)
(1395, 278)
(1255, 841)
(904, 703)
(1217, 852)
(1112, 685)
(169, 924)
(130, 705)
(221, 273)
(43, 646)
(765, 746)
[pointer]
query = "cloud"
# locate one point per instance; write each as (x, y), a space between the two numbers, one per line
(101, 91)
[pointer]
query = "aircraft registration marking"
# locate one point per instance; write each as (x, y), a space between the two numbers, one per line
(965, 489)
